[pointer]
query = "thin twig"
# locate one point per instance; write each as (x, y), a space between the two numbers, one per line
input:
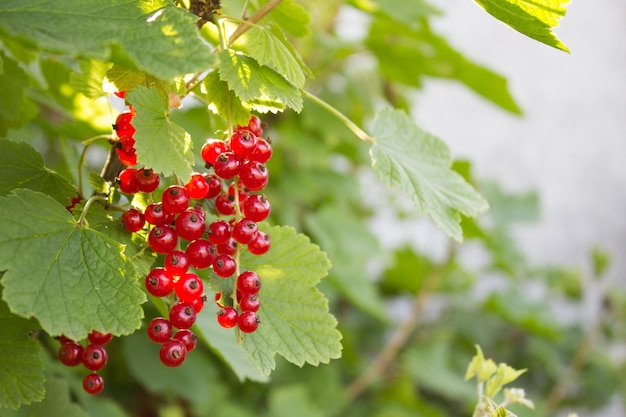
(260, 14)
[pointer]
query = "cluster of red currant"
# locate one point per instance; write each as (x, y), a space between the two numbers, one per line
(177, 229)
(93, 357)
(124, 129)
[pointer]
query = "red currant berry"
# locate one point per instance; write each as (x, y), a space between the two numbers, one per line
(173, 353)
(99, 338)
(198, 303)
(127, 155)
(219, 231)
(120, 94)
(147, 180)
(71, 353)
(263, 151)
(94, 357)
(176, 262)
(211, 149)
(225, 204)
(155, 214)
(190, 225)
(162, 239)
(248, 282)
(175, 199)
(159, 282)
(160, 330)
(227, 317)
(188, 288)
(256, 208)
(244, 230)
(259, 244)
(182, 315)
(215, 186)
(228, 248)
(132, 220)
(250, 302)
(63, 339)
(226, 165)
(188, 338)
(243, 192)
(201, 253)
(128, 181)
(254, 125)
(123, 127)
(197, 187)
(224, 266)
(93, 384)
(243, 143)
(254, 175)
(248, 321)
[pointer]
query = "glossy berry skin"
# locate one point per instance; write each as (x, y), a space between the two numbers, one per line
(128, 181)
(259, 244)
(215, 186)
(224, 265)
(94, 357)
(243, 193)
(162, 239)
(225, 204)
(123, 126)
(250, 302)
(244, 230)
(227, 317)
(254, 125)
(132, 220)
(263, 151)
(211, 150)
(159, 282)
(175, 199)
(93, 384)
(256, 207)
(182, 315)
(197, 187)
(226, 165)
(147, 180)
(243, 143)
(201, 253)
(219, 231)
(188, 338)
(176, 262)
(248, 321)
(156, 215)
(254, 175)
(160, 330)
(99, 338)
(127, 154)
(248, 282)
(70, 353)
(173, 353)
(190, 224)
(228, 248)
(188, 288)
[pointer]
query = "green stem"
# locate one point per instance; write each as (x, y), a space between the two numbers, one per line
(88, 204)
(360, 133)
(81, 159)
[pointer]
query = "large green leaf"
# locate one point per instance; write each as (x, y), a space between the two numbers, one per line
(21, 369)
(163, 43)
(296, 323)
(533, 18)
(15, 106)
(71, 278)
(224, 102)
(405, 156)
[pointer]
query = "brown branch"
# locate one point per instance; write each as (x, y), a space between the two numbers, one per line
(401, 335)
(260, 14)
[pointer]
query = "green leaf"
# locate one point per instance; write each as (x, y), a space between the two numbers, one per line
(21, 368)
(222, 101)
(22, 167)
(405, 156)
(269, 50)
(125, 79)
(80, 280)
(15, 107)
(160, 144)
(408, 12)
(504, 375)
(252, 82)
(533, 18)
(296, 323)
(89, 80)
(163, 43)
(291, 16)
(480, 367)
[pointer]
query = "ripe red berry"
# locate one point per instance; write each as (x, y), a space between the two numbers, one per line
(243, 192)
(190, 224)
(175, 199)
(132, 220)
(243, 143)
(176, 262)
(259, 244)
(256, 207)
(127, 155)
(155, 214)
(182, 315)
(248, 321)
(162, 239)
(188, 288)
(120, 94)
(212, 148)
(128, 181)
(198, 303)
(188, 338)
(201, 253)
(225, 204)
(99, 338)
(160, 330)
(93, 384)
(147, 180)
(227, 248)
(248, 282)
(254, 175)
(197, 186)
(250, 302)
(263, 151)
(227, 317)
(224, 265)
(94, 357)
(215, 186)
(226, 165)
(159, 282)
(254, 125)
(244, 230)
(70, 353)
(123, 126)
(219, 231)
(173, 353)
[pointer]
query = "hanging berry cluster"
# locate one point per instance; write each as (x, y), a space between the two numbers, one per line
(125, 133)
(93, 357)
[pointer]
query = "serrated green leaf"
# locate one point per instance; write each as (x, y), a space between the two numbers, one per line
(534, 19)
(89, 80)
(121, 78)
(21, 368)
(22, 167)
(504, 375)
(163, 43)
(251, 82)
(15, 107)
(405, 156)
(222, 101)
(295, 323)
(160, 144)
(80, 280)
(267, 49)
